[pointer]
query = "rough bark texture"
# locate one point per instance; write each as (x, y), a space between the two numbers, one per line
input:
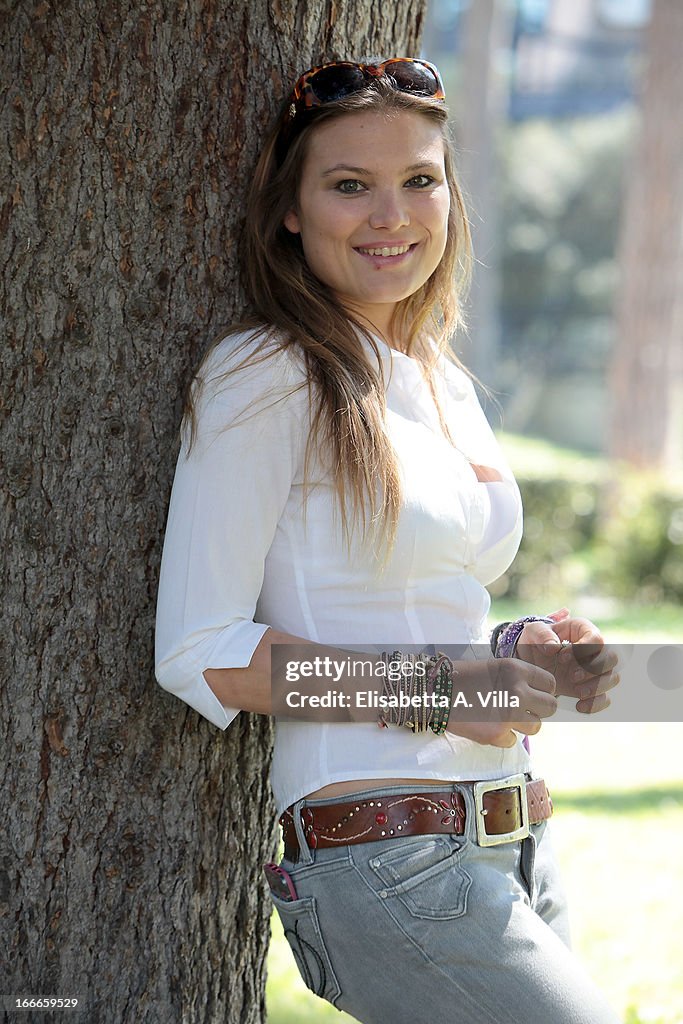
(646, 380)
(133, 831)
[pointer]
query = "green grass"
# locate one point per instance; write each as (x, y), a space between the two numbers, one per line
(534, 457)
(626, 886)
(287, 998)
(618, 793)
(619, 622)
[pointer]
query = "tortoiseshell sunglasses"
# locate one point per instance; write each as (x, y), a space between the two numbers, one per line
(334, 81)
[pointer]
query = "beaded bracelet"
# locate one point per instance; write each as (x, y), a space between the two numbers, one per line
(428, 680)
(442, 672)
(411, 684)
(508, 633)
(420, 716)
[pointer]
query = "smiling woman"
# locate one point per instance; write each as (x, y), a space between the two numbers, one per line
(372, 210)
(339, 486)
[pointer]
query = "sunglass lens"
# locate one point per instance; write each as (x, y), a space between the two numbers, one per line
(412, 78)
(333, 83)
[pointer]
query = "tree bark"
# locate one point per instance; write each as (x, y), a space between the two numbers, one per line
(646, 373)
(134, 831)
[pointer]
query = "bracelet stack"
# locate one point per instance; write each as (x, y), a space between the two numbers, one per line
(418, 688)
(417, 691)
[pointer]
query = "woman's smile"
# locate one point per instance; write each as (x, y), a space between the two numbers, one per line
(386, 255)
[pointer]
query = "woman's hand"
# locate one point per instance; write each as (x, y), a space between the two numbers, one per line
(574, 652)
(494, 700)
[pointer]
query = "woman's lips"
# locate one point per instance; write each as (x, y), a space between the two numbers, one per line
(375, 255)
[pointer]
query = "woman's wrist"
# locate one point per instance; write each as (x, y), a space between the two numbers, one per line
(417, 691)
(505, 636)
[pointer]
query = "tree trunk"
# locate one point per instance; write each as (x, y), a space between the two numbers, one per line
(647, 371)
(134, 831)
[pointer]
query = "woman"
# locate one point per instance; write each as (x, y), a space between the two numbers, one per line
(339, 485)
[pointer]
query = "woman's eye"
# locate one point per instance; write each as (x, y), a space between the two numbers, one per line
(349, 186)
(421, 181)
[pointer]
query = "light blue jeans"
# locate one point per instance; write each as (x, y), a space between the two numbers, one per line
(437, 929)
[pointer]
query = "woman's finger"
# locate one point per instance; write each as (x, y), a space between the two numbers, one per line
(579, 631)
(593, 705)
(559, 615)
(599, 684)
(594, 659)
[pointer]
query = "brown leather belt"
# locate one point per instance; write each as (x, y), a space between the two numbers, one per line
(504, 810)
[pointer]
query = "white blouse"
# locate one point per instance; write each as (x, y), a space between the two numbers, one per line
(239, 556)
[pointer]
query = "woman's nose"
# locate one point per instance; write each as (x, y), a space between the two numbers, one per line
(389, 210)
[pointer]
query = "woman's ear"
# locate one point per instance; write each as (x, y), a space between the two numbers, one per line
(291, 222)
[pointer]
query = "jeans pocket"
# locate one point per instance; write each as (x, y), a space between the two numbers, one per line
(302, 931)
(427, 876)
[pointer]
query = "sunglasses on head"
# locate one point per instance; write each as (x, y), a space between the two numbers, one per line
(331, 82)
(334, 81)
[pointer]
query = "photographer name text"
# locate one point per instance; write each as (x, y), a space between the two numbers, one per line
(372, 699)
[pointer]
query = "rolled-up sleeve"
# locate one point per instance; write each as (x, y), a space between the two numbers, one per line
(229, 492)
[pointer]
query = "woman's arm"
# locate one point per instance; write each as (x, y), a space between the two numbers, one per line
(230, 489)
(251, 689)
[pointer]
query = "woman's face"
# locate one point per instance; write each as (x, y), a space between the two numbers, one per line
(372, 209)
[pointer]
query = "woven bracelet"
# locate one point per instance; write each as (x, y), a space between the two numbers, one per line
(497, 630)
(509, 633)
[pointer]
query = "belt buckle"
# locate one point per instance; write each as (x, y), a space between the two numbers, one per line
(517, 782)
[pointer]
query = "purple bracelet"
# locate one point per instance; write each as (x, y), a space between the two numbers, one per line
(506, 644)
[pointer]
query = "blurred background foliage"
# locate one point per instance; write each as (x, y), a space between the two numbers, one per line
(563, 115)
(560, 191)
(592, 529)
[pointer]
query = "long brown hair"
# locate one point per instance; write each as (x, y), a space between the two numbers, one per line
(289, 306)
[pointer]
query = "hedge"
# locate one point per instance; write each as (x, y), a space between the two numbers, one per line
(594, 528)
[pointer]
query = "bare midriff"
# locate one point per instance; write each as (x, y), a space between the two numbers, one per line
(359, 785)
